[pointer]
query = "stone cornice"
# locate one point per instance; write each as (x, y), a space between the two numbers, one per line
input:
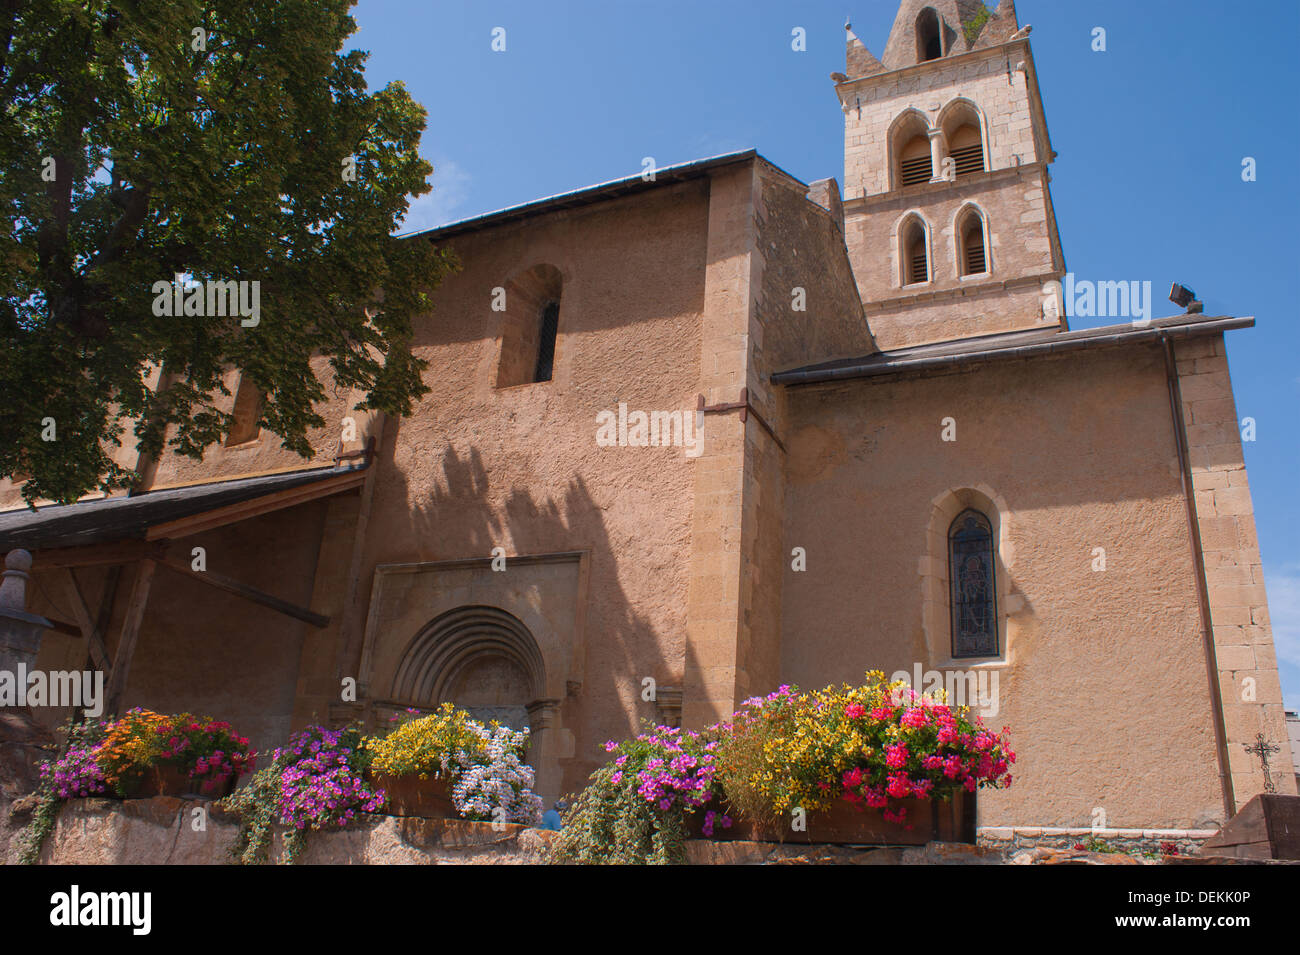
(855, 84)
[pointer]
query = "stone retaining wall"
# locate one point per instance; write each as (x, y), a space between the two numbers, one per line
(162, 831)
(1013, 838)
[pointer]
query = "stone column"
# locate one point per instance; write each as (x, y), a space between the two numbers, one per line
(936, 156)
(23, 742)
(543, 748)
(20, 631)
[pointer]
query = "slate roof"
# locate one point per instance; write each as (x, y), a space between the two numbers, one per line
(1006, 345)
(129, 518)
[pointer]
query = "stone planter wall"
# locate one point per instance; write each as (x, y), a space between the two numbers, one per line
(1014, 838)
(161, 831)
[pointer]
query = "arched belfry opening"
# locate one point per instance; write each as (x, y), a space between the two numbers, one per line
(929, 36)
(480, 658)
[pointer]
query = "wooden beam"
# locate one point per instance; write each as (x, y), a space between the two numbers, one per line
(130, 634)
(60, 626)
(230, 585)
(221, 516)
(94, 638)
(117, 552)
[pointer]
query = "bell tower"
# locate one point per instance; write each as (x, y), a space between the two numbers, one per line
(947, 210)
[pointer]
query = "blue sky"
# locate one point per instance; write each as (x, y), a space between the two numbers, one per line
(1151, 135)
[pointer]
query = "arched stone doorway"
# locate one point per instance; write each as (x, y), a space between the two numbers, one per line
(486, 661)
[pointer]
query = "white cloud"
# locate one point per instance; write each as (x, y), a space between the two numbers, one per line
(450, 190)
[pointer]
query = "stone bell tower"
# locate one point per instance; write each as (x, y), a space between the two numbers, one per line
(947, 211)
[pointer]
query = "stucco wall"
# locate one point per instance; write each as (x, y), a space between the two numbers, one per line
(1104, 681)
(477, 467)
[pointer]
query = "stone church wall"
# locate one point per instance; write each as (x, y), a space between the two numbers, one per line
(478, 467)
(989, 80)
(1102, 674)
(1016, 208)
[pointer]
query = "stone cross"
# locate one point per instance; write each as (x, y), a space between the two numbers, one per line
(1263, 749)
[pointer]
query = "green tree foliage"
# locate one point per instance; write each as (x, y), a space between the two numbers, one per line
(145, 139)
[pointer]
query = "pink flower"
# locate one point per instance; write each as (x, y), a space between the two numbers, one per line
(896, 755)
(855, 711)
(914, 718)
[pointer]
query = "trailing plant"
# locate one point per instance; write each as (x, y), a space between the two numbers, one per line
(71, 774)
(635, 809)
(76, 772)
(316, 782)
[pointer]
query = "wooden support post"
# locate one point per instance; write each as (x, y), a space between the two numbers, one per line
(130, 633)
(89, 630)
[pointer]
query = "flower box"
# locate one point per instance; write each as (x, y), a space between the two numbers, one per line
(168, 779)
(927, 820)
(411, 795)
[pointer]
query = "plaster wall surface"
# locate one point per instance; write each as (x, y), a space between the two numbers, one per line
(1102, 674)
(477, 467)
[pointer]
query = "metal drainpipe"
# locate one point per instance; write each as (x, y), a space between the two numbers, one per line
(1202, 586)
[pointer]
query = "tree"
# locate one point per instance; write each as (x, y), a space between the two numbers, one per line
(224, 141)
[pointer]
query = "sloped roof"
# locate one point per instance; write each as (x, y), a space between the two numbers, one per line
(589, 194)
(1024, 344)
(131, 518)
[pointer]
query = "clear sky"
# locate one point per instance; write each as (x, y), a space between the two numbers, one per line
(1151, 135)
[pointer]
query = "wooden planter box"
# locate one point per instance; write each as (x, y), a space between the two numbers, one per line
(931, 820)
(413, 796)
(166, 779)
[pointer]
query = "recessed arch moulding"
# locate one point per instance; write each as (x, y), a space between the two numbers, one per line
(499, 642)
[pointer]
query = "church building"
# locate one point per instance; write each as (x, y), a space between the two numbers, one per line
(694, 436)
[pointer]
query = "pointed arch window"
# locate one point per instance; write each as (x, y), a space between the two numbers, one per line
(914, 253)
(915, 161)
(973, 587)
(972, 251)
(966, 148)
(963, 124)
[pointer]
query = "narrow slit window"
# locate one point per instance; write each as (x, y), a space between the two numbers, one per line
(546, 344)
(974, 259)
(916, 258)
(247, 412)
(974, 594)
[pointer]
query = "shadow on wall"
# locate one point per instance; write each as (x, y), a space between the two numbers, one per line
(463, 516)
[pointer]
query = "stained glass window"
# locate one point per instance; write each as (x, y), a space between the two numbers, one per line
(974, 596)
